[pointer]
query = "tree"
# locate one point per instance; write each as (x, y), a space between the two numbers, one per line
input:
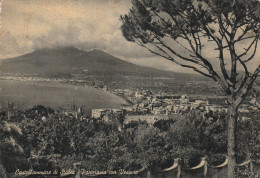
(184, 31)
(9, 144)
(152, 148)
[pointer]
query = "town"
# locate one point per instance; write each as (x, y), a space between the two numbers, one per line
(151, 107)
(147, 104)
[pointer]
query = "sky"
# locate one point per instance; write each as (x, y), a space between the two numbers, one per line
(28, 25)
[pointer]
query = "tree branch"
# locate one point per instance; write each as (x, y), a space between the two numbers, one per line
(248, 86)
(171, 59)
(250, 46)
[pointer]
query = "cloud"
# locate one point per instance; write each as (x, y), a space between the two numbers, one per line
(83, 24)
(34, 24)
(9, 45)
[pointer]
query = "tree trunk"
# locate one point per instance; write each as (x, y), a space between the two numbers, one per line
(232, 140)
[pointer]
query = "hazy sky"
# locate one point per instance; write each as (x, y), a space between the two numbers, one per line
(27, 25)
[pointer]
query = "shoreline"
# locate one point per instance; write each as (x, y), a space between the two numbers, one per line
(78, 95)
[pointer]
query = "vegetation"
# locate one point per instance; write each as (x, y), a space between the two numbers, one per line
(45, 139)
(185, 32)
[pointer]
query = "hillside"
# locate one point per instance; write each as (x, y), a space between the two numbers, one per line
(63, 62)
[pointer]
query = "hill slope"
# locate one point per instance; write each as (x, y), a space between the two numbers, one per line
(69, 60)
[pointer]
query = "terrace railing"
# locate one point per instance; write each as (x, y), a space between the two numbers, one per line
(202, 170)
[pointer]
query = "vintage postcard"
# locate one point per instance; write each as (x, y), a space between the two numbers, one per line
(129, 88)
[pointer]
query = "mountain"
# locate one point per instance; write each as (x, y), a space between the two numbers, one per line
(68, 60)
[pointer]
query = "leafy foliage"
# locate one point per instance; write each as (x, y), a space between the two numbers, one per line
(186, 31)
(60, 140)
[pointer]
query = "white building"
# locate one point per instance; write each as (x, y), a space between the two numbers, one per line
(98, 113)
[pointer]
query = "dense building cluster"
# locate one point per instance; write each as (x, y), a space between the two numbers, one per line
(151, 107)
